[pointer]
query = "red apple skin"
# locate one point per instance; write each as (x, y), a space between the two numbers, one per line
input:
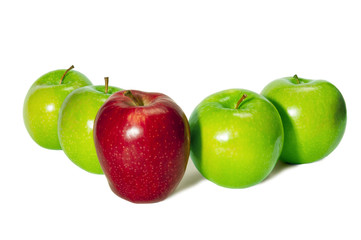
(143, 150)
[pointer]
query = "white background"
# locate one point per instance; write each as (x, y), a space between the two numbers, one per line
(187, 50)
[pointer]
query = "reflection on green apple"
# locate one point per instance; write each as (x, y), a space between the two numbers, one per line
(76, 119)
(236, 138)
(43, 101)
(313, 115)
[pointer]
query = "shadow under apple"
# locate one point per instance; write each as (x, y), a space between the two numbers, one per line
(191, 177)
(279, 168)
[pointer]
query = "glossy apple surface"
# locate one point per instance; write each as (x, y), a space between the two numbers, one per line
(142, 142)
(76, 120)
(43, 101)
(313, 114)
(234, 144)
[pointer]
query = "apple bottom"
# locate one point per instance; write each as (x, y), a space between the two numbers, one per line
(148, 190)
(241, 169)
(149, 175)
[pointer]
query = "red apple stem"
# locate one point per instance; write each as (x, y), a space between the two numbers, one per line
(61, 80)
(297, 79)
(106, 79)
(136, 100)
(241, 100)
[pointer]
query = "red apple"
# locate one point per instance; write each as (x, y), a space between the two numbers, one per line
(142, 141)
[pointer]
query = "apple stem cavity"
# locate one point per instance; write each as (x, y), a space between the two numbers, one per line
(241, 100)
(106, 79)
(62, 78)
(136, 100)
(297, 79)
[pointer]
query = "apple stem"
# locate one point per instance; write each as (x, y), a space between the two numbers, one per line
(241, 100)
(106, 79)
(61, 80)
(136, 100)
(297, 79)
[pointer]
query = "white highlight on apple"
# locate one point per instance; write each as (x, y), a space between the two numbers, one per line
(293, 112)
(90, 124)
(50, 107)
(222, 137)
(242, 114)
(132, 132)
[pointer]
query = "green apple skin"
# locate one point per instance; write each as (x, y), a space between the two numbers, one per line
(42, 104)
(235, 148)
(76, 119)
(313, 113)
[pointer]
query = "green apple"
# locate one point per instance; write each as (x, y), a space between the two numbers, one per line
(236, 138)
(76, 120)
(313, 113)
(43, 101)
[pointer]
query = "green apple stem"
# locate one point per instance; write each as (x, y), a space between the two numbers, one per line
(61, 80)
(241, 100)
(106, 79)
(297, 79)
(136, 100)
